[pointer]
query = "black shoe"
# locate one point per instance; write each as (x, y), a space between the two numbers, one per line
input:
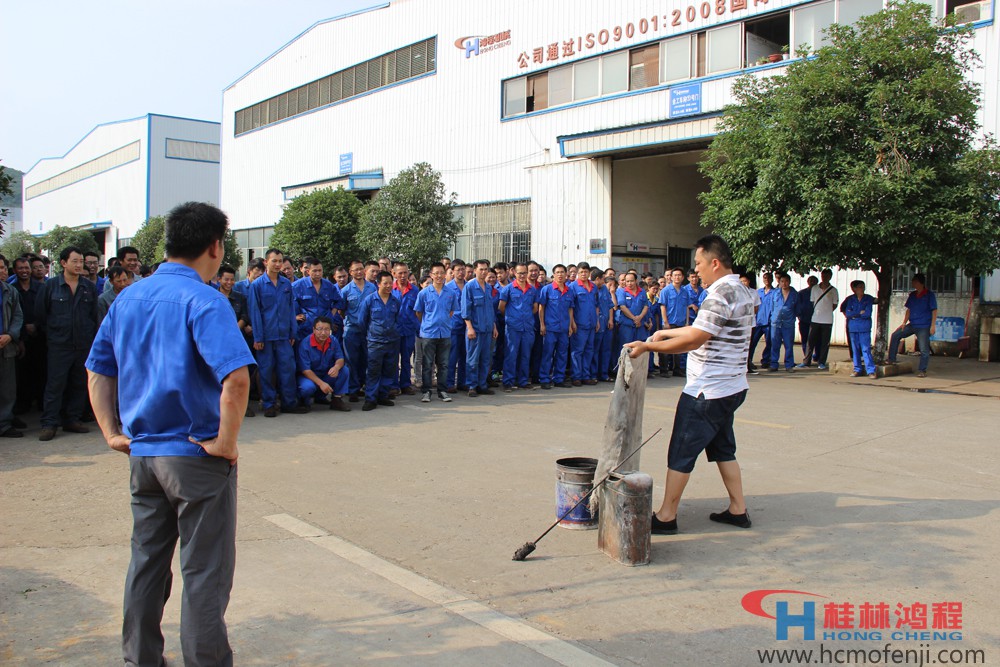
(546, 385)
(46, 434)
(473, 393)
(463, 387)
(577, 383)
(445, 398)
(738, 520)
(386, 402)
(75, 427)
(507, 388)
(296, 410)
(271, 411)
(369, 405)
(11, 433)
(564, 385)
(752, 370)
(249, 412)
(485, 391)
(18, 423)
(664, 527)
(353, 398)
(751, 367)
(337, 404)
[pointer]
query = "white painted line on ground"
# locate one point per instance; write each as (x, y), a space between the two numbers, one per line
(540, 642)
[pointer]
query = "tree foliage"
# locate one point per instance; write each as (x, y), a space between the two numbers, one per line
(411, 218)
(60, 237)
(5, 191)
(17, 244)
(320, 224)
(867, 156)
(151, 242)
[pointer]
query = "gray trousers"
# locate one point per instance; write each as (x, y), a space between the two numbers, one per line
(8, 390)
(193, 498)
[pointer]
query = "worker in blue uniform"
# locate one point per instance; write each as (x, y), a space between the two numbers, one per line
(601, 360)
(858, 310)
(456, 354)
(255, 269)
(272, 317)
(322, 367)
(585, 314)
(534, 279)
(633, 307)
(480, 329)
(762, 325)
(784, 305)
(340, 278)
(314, 296)
(355, 335)
(674, 312)
(380, 319)
(408, 327)
(497, 279)
(555, 310)
(519, 305)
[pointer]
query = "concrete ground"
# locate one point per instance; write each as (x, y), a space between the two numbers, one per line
(386, 537)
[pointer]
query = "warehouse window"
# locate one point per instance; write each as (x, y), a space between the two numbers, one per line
(399, 65)
(201, 151)
(501, 231)
(675, 59)
(644, 67)
(99, 165)
(808, 24)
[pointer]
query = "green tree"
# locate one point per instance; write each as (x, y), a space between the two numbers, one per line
(411, 219)
(320, 224)
(17, 244)
(5, 192)
(149, 240)
(151, 243)
(867, 156)
(60, 237)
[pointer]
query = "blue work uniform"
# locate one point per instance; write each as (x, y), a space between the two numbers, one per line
(69, 321)
(558, 310)
(536, 348)
(242, 286)
(519, 316)
(859, 329)
(355, 335)
(311, 356)
(627, 330)
(762, 327)
(604, 336)
(783, 325)
(676, 302)
(456, 355)
(695, 298)
(478, 311)
(380, 319)
(31, 366)
(272, 317)
(436, 311)
(178, 325)
(408, 327)
(312, 302)
(585, 297)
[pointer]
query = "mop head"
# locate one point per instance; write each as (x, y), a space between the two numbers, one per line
(524, 551)
(623, 428)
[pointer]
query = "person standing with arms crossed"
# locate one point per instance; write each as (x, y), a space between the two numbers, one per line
(718, 342)
(180, 433)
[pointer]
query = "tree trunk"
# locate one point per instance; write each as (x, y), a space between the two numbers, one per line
(882, 323)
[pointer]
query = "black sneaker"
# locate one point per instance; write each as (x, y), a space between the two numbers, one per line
(738, 520)
(271, 411)
(369, 405)
(386, 402)
(426, 398)
(664, 527)
(485, 391)
(11, 433)
(546, 385)
(295, 410)
(473, 393)
(564, 385)
(445, 398)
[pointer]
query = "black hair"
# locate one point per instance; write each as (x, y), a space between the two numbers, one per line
(225, 268)
(557, 267)
(501, 266)
(482, 262)
(596, 273)
(256, 263)
(91, 253)
(371, 262)
(355, 261)
(130, 250)
(273, 251)
(437, 265)
(310, 261)
(67, 251)
(716, 246)
(116, 271)
(339, 268)
(383, 274)
(857, 283)
(324, 320)
(920, 278)
(457, 262)
(583, 266)
(191, 228)
(23, 258)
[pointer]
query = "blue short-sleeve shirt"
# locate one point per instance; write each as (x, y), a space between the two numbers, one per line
(921, 305)
(408, 324)
(170, 340)
(477, 306)
(519, 312)
(558, 304)
(436, 311)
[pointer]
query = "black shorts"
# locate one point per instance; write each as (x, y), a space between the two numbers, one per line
(703, 425)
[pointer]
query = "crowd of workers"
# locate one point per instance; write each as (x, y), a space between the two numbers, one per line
(373, 330)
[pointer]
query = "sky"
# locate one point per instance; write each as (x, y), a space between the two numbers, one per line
(69, 66)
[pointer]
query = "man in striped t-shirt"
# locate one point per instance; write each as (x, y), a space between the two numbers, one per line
(718, 341)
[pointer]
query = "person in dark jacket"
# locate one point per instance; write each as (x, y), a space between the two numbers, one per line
(10, 333)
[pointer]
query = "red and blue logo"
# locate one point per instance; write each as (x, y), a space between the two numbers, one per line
(474, 45)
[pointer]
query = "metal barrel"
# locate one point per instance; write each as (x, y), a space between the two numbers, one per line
(574, 479)
(626, 508)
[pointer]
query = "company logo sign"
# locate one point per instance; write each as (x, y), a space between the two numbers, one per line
(867, 621)
(475, 45)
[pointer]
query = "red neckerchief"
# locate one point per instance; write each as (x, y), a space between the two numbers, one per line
(402, 292)
(495, 291)
(538, 284)
(921, 294)
(589, 286)
(312, 341)
(555, 286)
(637, 291)
(524, 290)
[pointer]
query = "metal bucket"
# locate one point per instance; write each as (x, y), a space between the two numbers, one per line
(626, 507)
(574, 480)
